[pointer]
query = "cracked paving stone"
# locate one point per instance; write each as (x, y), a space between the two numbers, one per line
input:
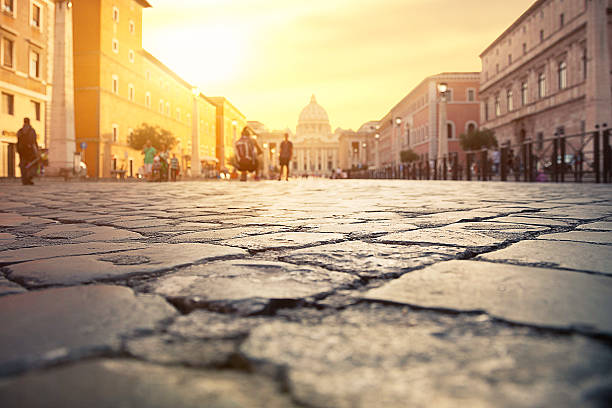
(6, 238)
(364, 228)
(547, 222)
(601, 226)
(31, 254)
(168, 349)
(106, 383)
(443, 235)
(86, 233)
(580, 236)
(248, 286)
(87, 268)
(370, 259)
(386, 357)
(9, 288)
(224, 234)
(445, 218)
(15, 220)
(202, 324)
(282, 240)
(64, 324)
(557, 254)
(520, 294)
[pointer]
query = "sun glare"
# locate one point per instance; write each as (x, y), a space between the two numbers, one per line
(216, 53)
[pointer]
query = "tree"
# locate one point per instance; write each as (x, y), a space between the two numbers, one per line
(477, 139)
(408, 156)
(155, 134)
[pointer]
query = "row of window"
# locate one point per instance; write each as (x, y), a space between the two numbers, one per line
(9, 7)
(132, 25)
(524, 89)
(164, 108)
(561, 24)
(8, 52)
(8, 106)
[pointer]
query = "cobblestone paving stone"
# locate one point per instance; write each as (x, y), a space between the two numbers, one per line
(313, 293)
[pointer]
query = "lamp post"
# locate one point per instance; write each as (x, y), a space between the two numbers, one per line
(377, 160)
(195, 135)
(442, 130)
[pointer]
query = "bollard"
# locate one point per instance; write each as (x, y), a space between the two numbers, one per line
(483, 165)
(596, 155)
(524, 161)
(562, 154)
(456, 166)
(530, 162)
(503, 163)
(607, 171)
(555, 155)
(444, 169)
(468, 166)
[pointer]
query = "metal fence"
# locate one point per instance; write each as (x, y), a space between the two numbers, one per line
(583, 157)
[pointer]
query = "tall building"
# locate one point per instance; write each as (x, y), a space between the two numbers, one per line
(119, 86)
(424, 120)
(550, 71)
(26, 35)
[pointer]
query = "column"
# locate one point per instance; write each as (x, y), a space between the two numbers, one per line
(62, 139)
(195, 136)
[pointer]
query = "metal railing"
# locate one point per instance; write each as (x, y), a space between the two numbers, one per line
(582, 157)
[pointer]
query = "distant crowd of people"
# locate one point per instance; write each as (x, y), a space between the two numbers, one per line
(158, 165)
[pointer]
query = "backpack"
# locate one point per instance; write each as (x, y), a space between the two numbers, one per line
(245, 152)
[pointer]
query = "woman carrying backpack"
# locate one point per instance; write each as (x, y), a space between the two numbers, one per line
(247, 151)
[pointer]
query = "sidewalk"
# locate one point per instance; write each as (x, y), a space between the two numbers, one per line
(318, 293)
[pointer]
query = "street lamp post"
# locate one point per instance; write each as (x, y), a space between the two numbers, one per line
(195, 135)
(396, 143)
(442, 130)
(377, 160)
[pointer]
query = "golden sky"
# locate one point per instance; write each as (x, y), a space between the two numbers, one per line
(359, 57)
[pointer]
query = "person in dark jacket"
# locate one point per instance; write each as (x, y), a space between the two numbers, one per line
(27, 147)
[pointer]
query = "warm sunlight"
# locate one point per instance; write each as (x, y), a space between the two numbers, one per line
(359, 57)
(218, 53)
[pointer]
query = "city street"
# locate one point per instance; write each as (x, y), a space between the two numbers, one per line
(307, 293)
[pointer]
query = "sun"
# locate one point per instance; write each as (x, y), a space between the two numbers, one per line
(210, 54)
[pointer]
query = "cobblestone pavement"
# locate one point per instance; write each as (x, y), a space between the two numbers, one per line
(312, 293)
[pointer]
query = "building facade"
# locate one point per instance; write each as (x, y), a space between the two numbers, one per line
(423, 117)
(26, 38)
(356, 149)
(230, 122)
(119, 87)
(315, 147)
(549, 72)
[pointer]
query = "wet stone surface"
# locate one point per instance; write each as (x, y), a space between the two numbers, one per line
(312, 293)
(371, 259)
(87, 268)
(248, 287)
(66, 324)
(390, 356)
(518, 294)
(116, 383)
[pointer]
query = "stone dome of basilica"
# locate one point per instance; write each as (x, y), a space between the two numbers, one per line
(313, 120)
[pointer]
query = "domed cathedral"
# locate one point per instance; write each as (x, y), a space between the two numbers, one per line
(315, 147)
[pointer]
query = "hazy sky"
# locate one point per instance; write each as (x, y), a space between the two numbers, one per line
(359, 57)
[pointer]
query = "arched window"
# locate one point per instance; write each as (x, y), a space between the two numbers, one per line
(562, 75)
(470, 127)
(541, 85)
(450, 130)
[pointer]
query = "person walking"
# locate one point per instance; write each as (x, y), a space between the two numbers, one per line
(27, 147)
(286, 152)
(149, 155)
(174, 167)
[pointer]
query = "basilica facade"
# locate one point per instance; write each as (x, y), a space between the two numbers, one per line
(315, 147)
